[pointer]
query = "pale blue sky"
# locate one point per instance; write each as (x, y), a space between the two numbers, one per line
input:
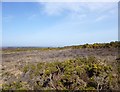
(59, 24)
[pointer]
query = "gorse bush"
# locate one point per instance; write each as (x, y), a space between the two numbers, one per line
(75, 74)
(115, 44)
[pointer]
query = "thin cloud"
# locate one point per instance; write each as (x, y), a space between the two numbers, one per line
(81, 10)
(101, 18)
(54, 8)
(59, 8)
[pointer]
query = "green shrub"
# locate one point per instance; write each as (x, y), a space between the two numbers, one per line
(25, 68)
(79, 73)
(40, 65)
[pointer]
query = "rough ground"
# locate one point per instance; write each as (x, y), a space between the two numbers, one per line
(60, 55)
(13, 61)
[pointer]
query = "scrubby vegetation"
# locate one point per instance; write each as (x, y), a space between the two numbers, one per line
(76, 74)
(115, 44)
(83, 67)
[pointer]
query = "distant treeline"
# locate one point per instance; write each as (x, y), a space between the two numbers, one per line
(115, 44)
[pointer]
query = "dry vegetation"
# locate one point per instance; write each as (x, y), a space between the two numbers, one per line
(84, 67)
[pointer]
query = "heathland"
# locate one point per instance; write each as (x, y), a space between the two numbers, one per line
(83, 67)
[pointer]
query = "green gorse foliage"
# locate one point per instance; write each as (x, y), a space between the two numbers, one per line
(75, 74)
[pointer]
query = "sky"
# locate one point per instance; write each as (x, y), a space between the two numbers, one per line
(56, 24)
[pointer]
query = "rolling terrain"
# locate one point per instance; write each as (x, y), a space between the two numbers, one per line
(83, 67)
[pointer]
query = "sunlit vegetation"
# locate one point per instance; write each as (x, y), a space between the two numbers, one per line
(74, 74)
(115, 44)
